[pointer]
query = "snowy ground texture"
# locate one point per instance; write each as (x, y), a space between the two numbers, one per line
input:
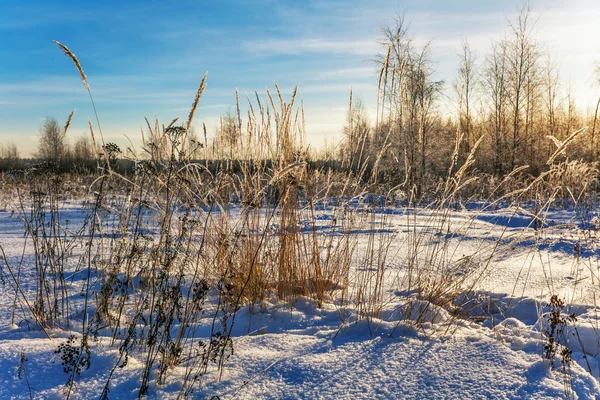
(308, 352)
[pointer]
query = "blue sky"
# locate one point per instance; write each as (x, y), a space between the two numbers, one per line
(147, 57)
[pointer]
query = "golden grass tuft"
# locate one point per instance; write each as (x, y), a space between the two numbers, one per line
(68, 122)
(93, 137)
(172, 122)
(561, 146)
(72, 56)
(201, 88)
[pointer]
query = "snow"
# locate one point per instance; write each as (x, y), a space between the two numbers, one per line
(301, 351)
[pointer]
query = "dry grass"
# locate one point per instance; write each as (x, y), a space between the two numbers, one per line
(201, 89)
(73, 58)
(177, 243)
(68, 123)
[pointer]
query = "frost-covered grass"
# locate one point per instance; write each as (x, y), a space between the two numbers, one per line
(164, 283)
(253, 275)
(487, 343)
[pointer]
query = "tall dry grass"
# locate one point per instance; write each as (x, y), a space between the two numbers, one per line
(166, 257)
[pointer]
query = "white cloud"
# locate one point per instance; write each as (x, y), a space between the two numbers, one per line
(311, 45)
(212, 106)
(345, 73)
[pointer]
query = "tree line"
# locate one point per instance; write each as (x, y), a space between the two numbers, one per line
(53, 148)
(509, 104)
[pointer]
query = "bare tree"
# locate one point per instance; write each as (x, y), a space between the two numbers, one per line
(465, 86)
(228, 134)
(83, 150)
(495, 80)
(522, 56)
(9, 154)
(533, 94)
(356, 136)
(422, 92)
(398, 46)
(389, 132)
(52, 145)
(597, 81)
(551, 86)
(408, 97)
(512, 81)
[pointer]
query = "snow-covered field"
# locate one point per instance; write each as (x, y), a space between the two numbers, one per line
(492, 348)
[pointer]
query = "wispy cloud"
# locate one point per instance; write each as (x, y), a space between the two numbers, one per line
(50, 84)
(345, 73)
(336, 88)
(310, 45)
(39, 16)
(106, 89)
(209, 107)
